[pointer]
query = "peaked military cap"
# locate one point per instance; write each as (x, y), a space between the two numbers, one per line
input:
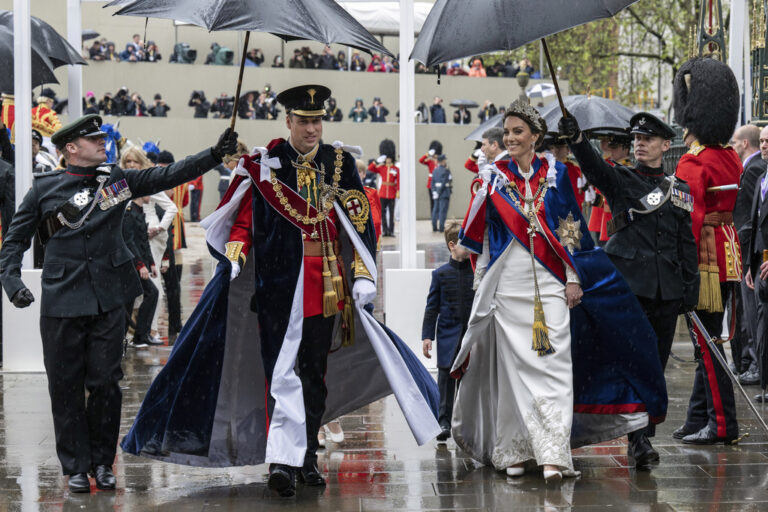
(648, 124)
(86, 126)
(305, 100)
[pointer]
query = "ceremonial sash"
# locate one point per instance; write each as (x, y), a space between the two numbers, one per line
(546, 248)
(290, 198)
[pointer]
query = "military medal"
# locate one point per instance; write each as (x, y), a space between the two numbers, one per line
(356, 204)
(682, 199)
(114, 194)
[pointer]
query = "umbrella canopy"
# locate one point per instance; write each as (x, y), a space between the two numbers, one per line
(456, 29)
(49, 42)
(42, 69)
(89, 33)
(324, 21)
(592, 113)
(464, 103)
(491, 122)
(541, 91)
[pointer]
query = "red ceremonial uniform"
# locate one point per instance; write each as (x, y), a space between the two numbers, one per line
(574, 173)
(471, 165)
(431, 163)
(704, 167)
(375, 202)
(390, 180)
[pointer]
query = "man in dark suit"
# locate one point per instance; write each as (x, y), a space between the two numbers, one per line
(746, 142)
(755, 231)
(88, 277)
(651, 242)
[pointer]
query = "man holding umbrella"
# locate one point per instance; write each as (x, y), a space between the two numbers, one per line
(87, 279)
(651, 242)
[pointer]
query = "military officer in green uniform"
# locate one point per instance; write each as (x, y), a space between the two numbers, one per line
(87, 279)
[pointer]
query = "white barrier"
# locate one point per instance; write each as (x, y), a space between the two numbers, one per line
(22, 345)
(405, 298)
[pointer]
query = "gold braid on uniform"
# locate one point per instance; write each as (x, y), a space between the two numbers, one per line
(234, 252)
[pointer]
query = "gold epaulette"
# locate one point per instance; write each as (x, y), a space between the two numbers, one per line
(696, 148)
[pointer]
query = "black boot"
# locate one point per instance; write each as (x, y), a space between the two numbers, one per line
(640, 449)
(282, 480)
(310, 475)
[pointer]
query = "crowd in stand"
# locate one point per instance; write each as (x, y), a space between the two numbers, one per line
(303, 58)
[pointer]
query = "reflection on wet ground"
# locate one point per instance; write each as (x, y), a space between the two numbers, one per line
(379, 466)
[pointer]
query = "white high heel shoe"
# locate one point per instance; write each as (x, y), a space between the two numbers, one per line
(515, 471)
(334, 437)
(552, 475)
(571, 473)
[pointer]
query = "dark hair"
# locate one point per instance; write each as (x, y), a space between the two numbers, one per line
(534, 129)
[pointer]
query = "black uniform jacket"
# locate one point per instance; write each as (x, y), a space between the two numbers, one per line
(136, 237)
(90, 269)
(753, 171)
(756, 227)
(656, 254)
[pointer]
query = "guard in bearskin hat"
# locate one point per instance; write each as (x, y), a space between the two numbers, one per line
(430, 160)
(389, 189)
(706, 101)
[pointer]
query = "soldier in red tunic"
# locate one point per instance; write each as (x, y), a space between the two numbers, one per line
(707, 106)
(389, 190)
(430, 160)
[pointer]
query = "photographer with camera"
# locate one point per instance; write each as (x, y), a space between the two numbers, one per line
(201, 105)
(159, 107)
(222, 106)
(136, 106)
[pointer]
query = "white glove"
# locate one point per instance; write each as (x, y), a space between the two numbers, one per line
(363, 291)
(435, 195)
(191, 187)
(431, 152)
(381, 159)
(589, 195)
(235, 270)
(477, 153)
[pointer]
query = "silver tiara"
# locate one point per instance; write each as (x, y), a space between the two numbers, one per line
(525, 110)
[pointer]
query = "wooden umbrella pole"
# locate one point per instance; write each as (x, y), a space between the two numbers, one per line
(554, 77)
(240, 80)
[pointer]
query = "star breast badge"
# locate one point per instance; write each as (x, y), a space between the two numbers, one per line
(569, 233)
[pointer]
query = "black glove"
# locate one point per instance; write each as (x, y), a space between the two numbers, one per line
(227, 144)
(23, 298)
(569, 127)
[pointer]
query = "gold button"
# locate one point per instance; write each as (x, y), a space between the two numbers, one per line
(303, 236)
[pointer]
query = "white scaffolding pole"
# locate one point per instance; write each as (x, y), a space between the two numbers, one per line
(75, 73)
(407, 139)
(22, 91)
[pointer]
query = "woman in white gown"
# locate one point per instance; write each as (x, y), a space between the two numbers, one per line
(515, 402)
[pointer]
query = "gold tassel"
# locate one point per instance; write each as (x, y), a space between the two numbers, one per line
(330, 299)
(540, 331)
(338, 282)
(710, 298)
(348, 323)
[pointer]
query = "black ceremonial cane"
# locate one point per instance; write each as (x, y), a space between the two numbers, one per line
(694, 319)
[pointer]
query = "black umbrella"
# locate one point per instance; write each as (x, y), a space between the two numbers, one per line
(492, 122)
(592, 113)
(48, 41)
(455, 29)
(317, 20)
(464, 103)
(42, 70)
(89, 33)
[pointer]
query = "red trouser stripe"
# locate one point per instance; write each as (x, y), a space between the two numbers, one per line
(266, 403)
(714, 387)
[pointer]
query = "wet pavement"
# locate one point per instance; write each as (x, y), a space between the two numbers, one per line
(379, 466)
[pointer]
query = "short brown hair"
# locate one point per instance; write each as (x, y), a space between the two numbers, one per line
(452, 229)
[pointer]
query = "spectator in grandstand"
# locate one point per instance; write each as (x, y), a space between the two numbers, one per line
(437, 112)
(129, 54)
(200, 104)
(95, 52)
(136, 106)
(357, 63)
(327, 60)
(111, 53)
(333, 113)
(488, 111)
(457, 70)
(358, 113)
(477, 69)
(254, 57)
(151, 54)
(378, 111)
(159, 108)
(298, 60)
(222, 106)
(277, 62)
(341, 61)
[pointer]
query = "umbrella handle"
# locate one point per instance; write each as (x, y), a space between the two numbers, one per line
(239, 81)
(554, 77)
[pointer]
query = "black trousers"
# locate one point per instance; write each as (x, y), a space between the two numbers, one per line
(195, 199)
(388, 217)
(447, 387)
(172, 283)
(744, 342)
(146, 309)
(431, 202)
(662, 314)
(311, 365)
(84, 353)
(712, 402)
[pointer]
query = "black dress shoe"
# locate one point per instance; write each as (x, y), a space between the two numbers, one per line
(681, 432)
(642, 451)
(444, 435)
(760, 398)
(105, 478)
(706, 436)
(310, 475)
(282, 480)
(79, 483)
(749, 378)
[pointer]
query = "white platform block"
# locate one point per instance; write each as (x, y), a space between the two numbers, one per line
(22, 345)
(405, 298)
(391, 259)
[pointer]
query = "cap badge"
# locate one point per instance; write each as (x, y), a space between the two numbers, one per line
(312, 93)
(641, 122)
